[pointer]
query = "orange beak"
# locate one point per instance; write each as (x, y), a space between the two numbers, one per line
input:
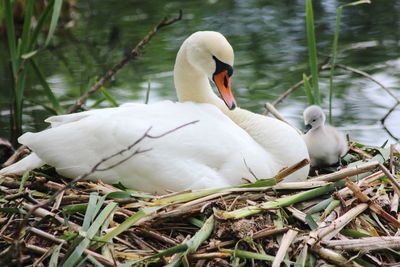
(223, 83)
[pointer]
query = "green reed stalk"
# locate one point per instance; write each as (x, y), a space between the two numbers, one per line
(312, 51)
(22, 51)
(334, 49)
(333, 59)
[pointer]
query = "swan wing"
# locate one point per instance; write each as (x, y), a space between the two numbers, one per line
(211, 152)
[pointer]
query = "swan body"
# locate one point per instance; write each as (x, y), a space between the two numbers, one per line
(325, 144)
(224, 145)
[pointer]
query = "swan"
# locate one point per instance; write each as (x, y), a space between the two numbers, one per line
(326, 145)
(220, 145)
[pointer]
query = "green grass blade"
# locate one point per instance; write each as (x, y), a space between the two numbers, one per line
(129, 222)
(26, 32)
(23, 181)
(90, 213)
(249, 255)
(9, 19)
(316, 208)
(39, 26)
(167, 252)
(194, 243)
(307, 88)
(312, 50)
(95, 262)
(74, 208)
(54, 20)
(201, 235)
(75, 256)
(50, 95)
(54, 256)
(109, 97)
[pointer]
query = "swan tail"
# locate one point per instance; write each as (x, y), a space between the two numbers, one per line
(26, 164)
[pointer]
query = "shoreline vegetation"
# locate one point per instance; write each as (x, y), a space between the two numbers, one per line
(346, 217)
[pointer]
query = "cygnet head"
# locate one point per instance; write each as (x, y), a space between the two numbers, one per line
(211, 53)
(314, 117)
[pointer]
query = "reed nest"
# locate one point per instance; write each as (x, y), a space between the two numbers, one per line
(346, 217)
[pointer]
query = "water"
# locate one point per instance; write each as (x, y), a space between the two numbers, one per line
(269, 39)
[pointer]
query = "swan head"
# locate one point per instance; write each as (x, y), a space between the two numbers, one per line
(314, 117)
(210, 53)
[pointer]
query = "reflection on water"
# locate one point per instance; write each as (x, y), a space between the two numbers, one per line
(270, 53)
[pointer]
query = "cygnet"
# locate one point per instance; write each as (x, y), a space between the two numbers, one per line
(325, 144)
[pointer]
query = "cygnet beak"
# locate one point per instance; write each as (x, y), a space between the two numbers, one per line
(307, 128)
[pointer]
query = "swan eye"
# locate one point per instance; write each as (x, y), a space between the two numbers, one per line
(221, 66)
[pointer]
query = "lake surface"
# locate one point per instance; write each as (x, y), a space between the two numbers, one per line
(269, 39)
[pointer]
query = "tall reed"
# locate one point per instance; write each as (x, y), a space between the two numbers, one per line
(22, 50)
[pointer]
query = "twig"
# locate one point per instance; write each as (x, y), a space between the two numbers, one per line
(287, 93)
(131, 56)
(270, 108)
(286, 172)
(364, 74)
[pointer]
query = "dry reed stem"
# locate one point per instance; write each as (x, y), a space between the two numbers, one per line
(365, 243)
(392, 179)
(327, 232)
(375, 207)
(334, 257)
(287, 240)
(299, 185)
(291, 169)
(336, 176)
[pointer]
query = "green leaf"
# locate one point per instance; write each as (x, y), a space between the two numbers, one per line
(93, 229)
(74, 208)
(23, 181)
(40, 24)
(316, 208)
(260, 183)
(109, 97)
(307, 89)
(9, 19)
(50, 95)
(26, 32)
(54, 20)
(29, 55)
(132, 220)
(13, 210)
(54, 256)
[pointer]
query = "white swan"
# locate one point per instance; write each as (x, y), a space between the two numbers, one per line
(325, 144)
(216, 151)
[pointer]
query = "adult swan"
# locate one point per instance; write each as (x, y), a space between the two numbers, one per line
(220, 148)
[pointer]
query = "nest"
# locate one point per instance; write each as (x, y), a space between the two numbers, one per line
(346, 217)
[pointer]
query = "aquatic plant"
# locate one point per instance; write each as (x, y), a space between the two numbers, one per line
(23, 50)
